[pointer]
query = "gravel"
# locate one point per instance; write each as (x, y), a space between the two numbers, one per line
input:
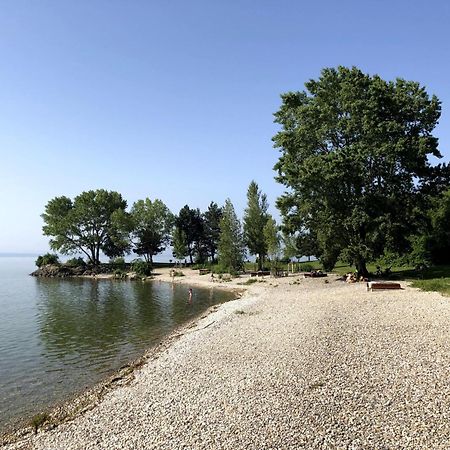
(316, 365)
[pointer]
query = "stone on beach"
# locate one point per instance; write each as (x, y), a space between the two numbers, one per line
(310, 365)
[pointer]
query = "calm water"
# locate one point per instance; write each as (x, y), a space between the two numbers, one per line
(60, 336)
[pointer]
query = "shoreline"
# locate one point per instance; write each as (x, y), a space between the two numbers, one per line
(79, 403)
(295, 363)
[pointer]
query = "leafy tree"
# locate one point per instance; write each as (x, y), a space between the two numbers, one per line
(48, 258)
(180, 250)
(438, 240)
(354, 154)
(95, 221)
(272, 237)
(152, 223)
(255, 218)
(231, 245)
(211, 219)
(190, 221)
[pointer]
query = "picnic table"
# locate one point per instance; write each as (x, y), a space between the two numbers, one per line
(203, 271)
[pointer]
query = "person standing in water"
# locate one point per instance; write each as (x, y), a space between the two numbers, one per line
(190, 295)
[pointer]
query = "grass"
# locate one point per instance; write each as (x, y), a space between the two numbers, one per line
(434, 278)
(441, 285)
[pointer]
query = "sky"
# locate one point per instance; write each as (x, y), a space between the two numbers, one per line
(175, 99)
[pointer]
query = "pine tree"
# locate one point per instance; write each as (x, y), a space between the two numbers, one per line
(231, 246)
(255, 218)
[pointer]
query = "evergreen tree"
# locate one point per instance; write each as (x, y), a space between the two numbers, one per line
(211, 236)
(255, 218)
(231, 246)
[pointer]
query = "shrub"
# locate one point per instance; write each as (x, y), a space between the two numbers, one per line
(48, 258)
(118, 273)
(118, 263)
(141, 268)
(38, 420)
(306, 267)
(75, 262)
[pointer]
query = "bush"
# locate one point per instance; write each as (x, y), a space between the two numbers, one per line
(75, 262)
(38, 420)
(118, 263)
(306, 267)
(118, 273)
(48, 258)
(141, 268)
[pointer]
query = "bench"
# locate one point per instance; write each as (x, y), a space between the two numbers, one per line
(314, 275)
(203, 271)
(371, 285)
(260, 273)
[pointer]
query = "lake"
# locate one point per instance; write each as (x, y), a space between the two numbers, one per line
(59, 336)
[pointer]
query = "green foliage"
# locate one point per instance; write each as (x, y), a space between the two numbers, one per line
(211, 235)
(178, 273)
(179, 243)
(438, 242)
(38, 420)
(306, 267)
(190, 223)
(271, 237)
(141, 267)
(152, 223)
(48, 258)
(95, 221)
(118, 263)
(255, 218)
(119, 273)
(231, 246)
(251, 281)
(75, 262)
(354, 157)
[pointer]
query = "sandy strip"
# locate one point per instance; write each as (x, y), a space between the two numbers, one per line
(293, 364)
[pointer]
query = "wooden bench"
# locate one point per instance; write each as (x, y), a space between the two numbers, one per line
(371, 285)
(260, 273)
(203, 271)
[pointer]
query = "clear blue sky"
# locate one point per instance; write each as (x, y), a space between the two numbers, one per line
(174, 99)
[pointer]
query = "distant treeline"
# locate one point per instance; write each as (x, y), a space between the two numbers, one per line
(98, 222)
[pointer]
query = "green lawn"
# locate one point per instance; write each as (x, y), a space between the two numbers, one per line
(435, 278)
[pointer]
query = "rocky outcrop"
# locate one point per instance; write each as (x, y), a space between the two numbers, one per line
(63, 271)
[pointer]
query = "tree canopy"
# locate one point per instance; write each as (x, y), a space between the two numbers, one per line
(354, 158)
(94, 221)
(152, 224)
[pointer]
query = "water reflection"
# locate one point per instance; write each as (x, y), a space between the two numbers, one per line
(83, 329)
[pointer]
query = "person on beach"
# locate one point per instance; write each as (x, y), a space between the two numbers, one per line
(190, 295)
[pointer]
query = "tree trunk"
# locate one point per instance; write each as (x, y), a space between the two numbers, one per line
(361, 267)
(260, 261)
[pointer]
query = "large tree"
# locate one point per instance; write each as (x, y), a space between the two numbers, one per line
(255, 218)
(354, 152)
(190, 222)
(211, 219)
(231, 245)
(152, 224)
(94, 221)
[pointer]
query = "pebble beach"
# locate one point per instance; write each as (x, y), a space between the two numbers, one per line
(294, 363)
